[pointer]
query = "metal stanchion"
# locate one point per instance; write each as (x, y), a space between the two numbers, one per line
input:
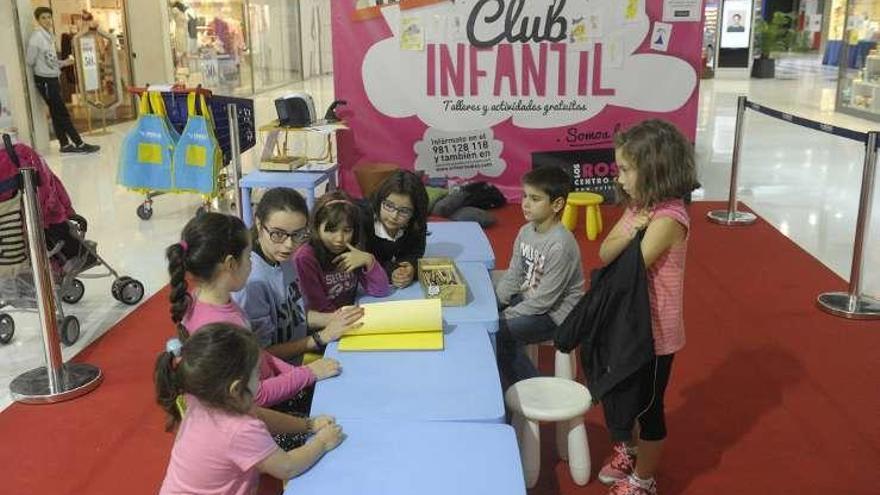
(56, 381)
(235, 155)
(853, 304)
(730, 216)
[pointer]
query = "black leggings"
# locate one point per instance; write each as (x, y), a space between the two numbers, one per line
(652, 380)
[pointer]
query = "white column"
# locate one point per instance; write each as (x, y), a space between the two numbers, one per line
(149, 35)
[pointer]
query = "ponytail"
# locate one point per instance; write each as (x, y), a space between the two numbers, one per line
(205, 242)
(179, 297)
(167, 388)
(206, 366)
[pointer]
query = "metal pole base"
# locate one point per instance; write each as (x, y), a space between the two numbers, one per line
(853, 307)
(32, 387)
(723, 217)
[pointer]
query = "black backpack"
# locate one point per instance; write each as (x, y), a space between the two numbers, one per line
(483, 195)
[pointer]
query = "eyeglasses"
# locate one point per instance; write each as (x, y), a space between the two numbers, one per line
(399, 210)
(279, 236)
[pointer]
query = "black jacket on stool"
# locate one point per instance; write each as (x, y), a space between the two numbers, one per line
(612, 325)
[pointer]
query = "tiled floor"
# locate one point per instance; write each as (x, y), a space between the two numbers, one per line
(805, 183)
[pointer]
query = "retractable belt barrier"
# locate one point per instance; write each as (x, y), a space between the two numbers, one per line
(851, 304)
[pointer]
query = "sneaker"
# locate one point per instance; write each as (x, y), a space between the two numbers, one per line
(69, 148)
(620, 465)
(87, 148)
(631, 486)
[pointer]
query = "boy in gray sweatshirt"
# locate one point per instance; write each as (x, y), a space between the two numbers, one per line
(544, 280)
(43, 60)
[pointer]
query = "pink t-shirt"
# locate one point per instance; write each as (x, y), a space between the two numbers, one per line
(216, 452)
(202, 313)
(279, 380)
(666, 282)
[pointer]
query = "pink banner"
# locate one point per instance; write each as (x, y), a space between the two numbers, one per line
(488, 89)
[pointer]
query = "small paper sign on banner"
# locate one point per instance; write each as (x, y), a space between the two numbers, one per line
(660, 36)
(412, 34)
(631, 10)
(681, 10)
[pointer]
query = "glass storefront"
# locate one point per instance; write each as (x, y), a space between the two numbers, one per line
(247, 46)
(209, 45)
(275, 37)
(710, 37)
(855, 26)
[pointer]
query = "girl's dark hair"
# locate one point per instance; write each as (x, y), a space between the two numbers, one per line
(278, 199)
(210, 361)
(409, 184)
(208, 240)
(663, 159)
(335, 209)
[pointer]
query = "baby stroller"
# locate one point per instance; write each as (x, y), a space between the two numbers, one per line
(70, 254)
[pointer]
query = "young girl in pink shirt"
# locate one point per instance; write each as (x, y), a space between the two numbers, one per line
(656, 171)
(214, 254)
(223, 441)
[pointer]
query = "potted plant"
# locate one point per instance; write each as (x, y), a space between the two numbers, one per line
(773, 36)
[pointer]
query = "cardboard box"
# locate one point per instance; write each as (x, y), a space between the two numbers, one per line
(440, 278)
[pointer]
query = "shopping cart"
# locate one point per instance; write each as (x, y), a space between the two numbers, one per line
(175, 99)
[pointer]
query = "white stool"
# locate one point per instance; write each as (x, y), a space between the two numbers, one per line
(551, 399)
(564, 367)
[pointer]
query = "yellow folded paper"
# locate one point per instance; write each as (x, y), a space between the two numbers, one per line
(413, 316)
(421, 341)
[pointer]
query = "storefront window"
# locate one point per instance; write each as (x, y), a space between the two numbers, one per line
(275, 36)
(209, 45)
(710, 37)
(859, 62)
(248, 46)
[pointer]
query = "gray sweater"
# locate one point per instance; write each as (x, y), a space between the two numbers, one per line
(273, 303)
(41, 54)
(545, 269)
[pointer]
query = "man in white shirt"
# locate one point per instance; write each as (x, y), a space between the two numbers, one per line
(43, 60)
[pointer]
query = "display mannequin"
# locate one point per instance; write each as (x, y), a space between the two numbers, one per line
(186, 22)
(68, 73)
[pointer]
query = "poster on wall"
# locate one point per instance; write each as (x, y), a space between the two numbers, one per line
(5, 112)
(736, 23)
(681, 10)
(488, 89)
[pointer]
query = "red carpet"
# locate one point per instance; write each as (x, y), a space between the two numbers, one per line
(769, 395)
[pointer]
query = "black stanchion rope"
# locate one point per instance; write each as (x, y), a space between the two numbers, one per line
(810, 124)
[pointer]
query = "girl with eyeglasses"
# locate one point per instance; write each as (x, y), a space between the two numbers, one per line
(271, 298)
(395, 224)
